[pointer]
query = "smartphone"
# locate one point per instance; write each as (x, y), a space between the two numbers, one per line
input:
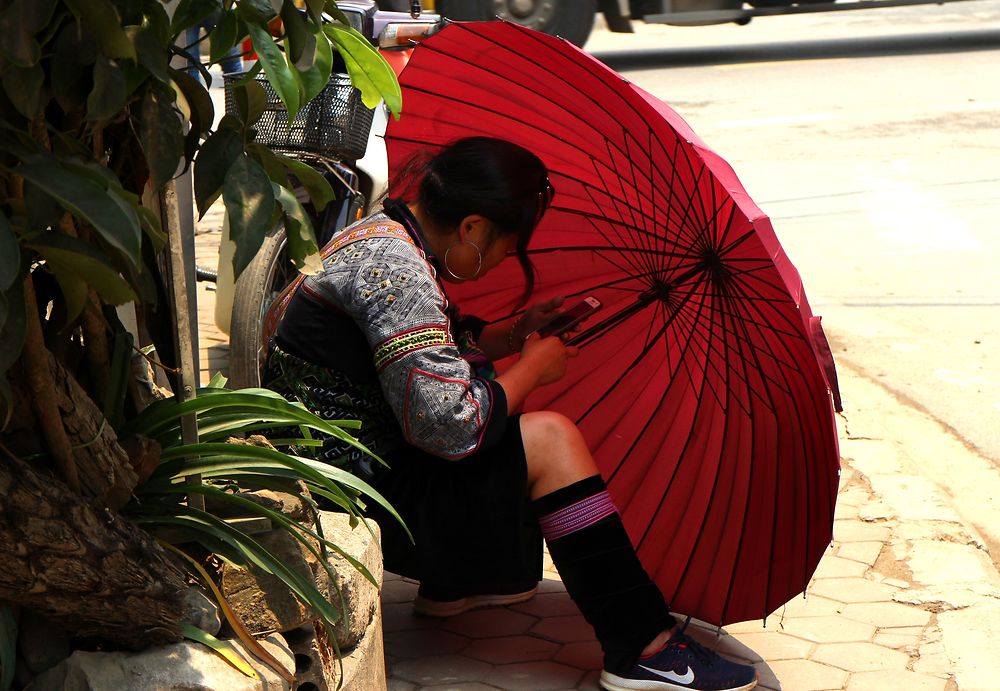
(571, 317)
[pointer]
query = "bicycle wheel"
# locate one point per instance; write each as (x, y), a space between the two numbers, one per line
(256, 288)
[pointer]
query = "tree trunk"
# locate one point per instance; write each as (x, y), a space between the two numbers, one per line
(81, 566)
(103, 468)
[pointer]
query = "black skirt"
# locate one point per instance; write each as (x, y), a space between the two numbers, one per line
(473, 527)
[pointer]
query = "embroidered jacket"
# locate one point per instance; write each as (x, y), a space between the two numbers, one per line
(378, 311)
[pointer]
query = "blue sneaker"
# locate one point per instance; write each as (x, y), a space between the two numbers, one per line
(682, 664)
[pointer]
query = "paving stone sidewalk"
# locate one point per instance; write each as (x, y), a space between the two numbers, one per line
(905, 598)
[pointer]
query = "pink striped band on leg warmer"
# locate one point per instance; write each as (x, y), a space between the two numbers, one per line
(577, 516)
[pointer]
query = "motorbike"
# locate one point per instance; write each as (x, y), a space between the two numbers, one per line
(341, 139)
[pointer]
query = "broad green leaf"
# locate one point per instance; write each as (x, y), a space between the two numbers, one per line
(20, 21)
(215, 158)
(161, 135)
(71, 68)
(101, 21)
(156, 19)
(80, 195)
(368, 70)
(150, 50)
(259, 11)
(317, 75)
(24, 88)
(224, 649)
(319, 189)
(224, 36)
(82, 259)
(41, 210)
(299, 40)
(74, 292)
(249, 201)
(199, 109)
(10, 255)
(302, 246)
(192, 13)
(330, 7)
(315, 8)
(251, 101)
(268, 160)
(107, 98)
(276, 68)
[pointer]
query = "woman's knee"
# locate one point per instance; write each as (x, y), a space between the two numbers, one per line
(547, 427)
(553, 443)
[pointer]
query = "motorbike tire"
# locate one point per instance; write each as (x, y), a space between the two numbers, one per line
(256, 288)
(570, 19)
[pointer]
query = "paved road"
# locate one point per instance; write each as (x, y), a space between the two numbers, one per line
(871, 139)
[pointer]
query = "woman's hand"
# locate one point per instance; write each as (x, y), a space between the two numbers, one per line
(542, 361)
(538, 315)
(547, 357)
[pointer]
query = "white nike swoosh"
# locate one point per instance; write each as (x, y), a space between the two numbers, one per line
(685, 678)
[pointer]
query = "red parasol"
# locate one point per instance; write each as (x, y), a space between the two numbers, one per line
(698, 386)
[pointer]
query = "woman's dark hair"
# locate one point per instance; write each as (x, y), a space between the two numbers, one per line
(494, 178)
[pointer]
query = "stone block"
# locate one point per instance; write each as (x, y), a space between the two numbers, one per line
(179, 667)
(350, 587)
(261, 600)
(202, 611)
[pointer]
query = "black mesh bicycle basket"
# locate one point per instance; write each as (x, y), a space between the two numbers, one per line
(335, 123)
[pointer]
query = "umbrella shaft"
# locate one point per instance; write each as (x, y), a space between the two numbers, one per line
(607, 323)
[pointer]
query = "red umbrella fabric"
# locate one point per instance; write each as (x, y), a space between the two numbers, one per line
(698, 386)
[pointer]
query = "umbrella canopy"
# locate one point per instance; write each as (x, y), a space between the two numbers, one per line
(698, 386)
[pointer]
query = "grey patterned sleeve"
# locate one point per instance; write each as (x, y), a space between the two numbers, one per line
(390, 290)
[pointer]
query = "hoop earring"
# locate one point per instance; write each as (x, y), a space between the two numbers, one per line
(479, 265)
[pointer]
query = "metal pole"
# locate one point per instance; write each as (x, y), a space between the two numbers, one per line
(181, 277)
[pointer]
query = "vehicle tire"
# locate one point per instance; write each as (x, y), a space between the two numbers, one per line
(256, 288)
(571, 19)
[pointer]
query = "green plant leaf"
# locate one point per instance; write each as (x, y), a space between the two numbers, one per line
(10, 255)
(302, 246)
(192, 13)
(67, 255)
(149, 49)
(249, 201)
(71, 68)
(252, 552)
(268, 160)
(112, 218)
(100, 19)
(215, 158)
(224, 35)
(235, 622)
(278, 72)
(316, 75)
(161, 135)
(23, 86)
(251, 101)
(19, 22)
(299, 40)
(319, 189)
(224, 649)
(107, 98)
(368, 70)
(259, 11)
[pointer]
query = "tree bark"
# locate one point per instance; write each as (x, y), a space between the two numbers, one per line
(81, 566)
(104, 471)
